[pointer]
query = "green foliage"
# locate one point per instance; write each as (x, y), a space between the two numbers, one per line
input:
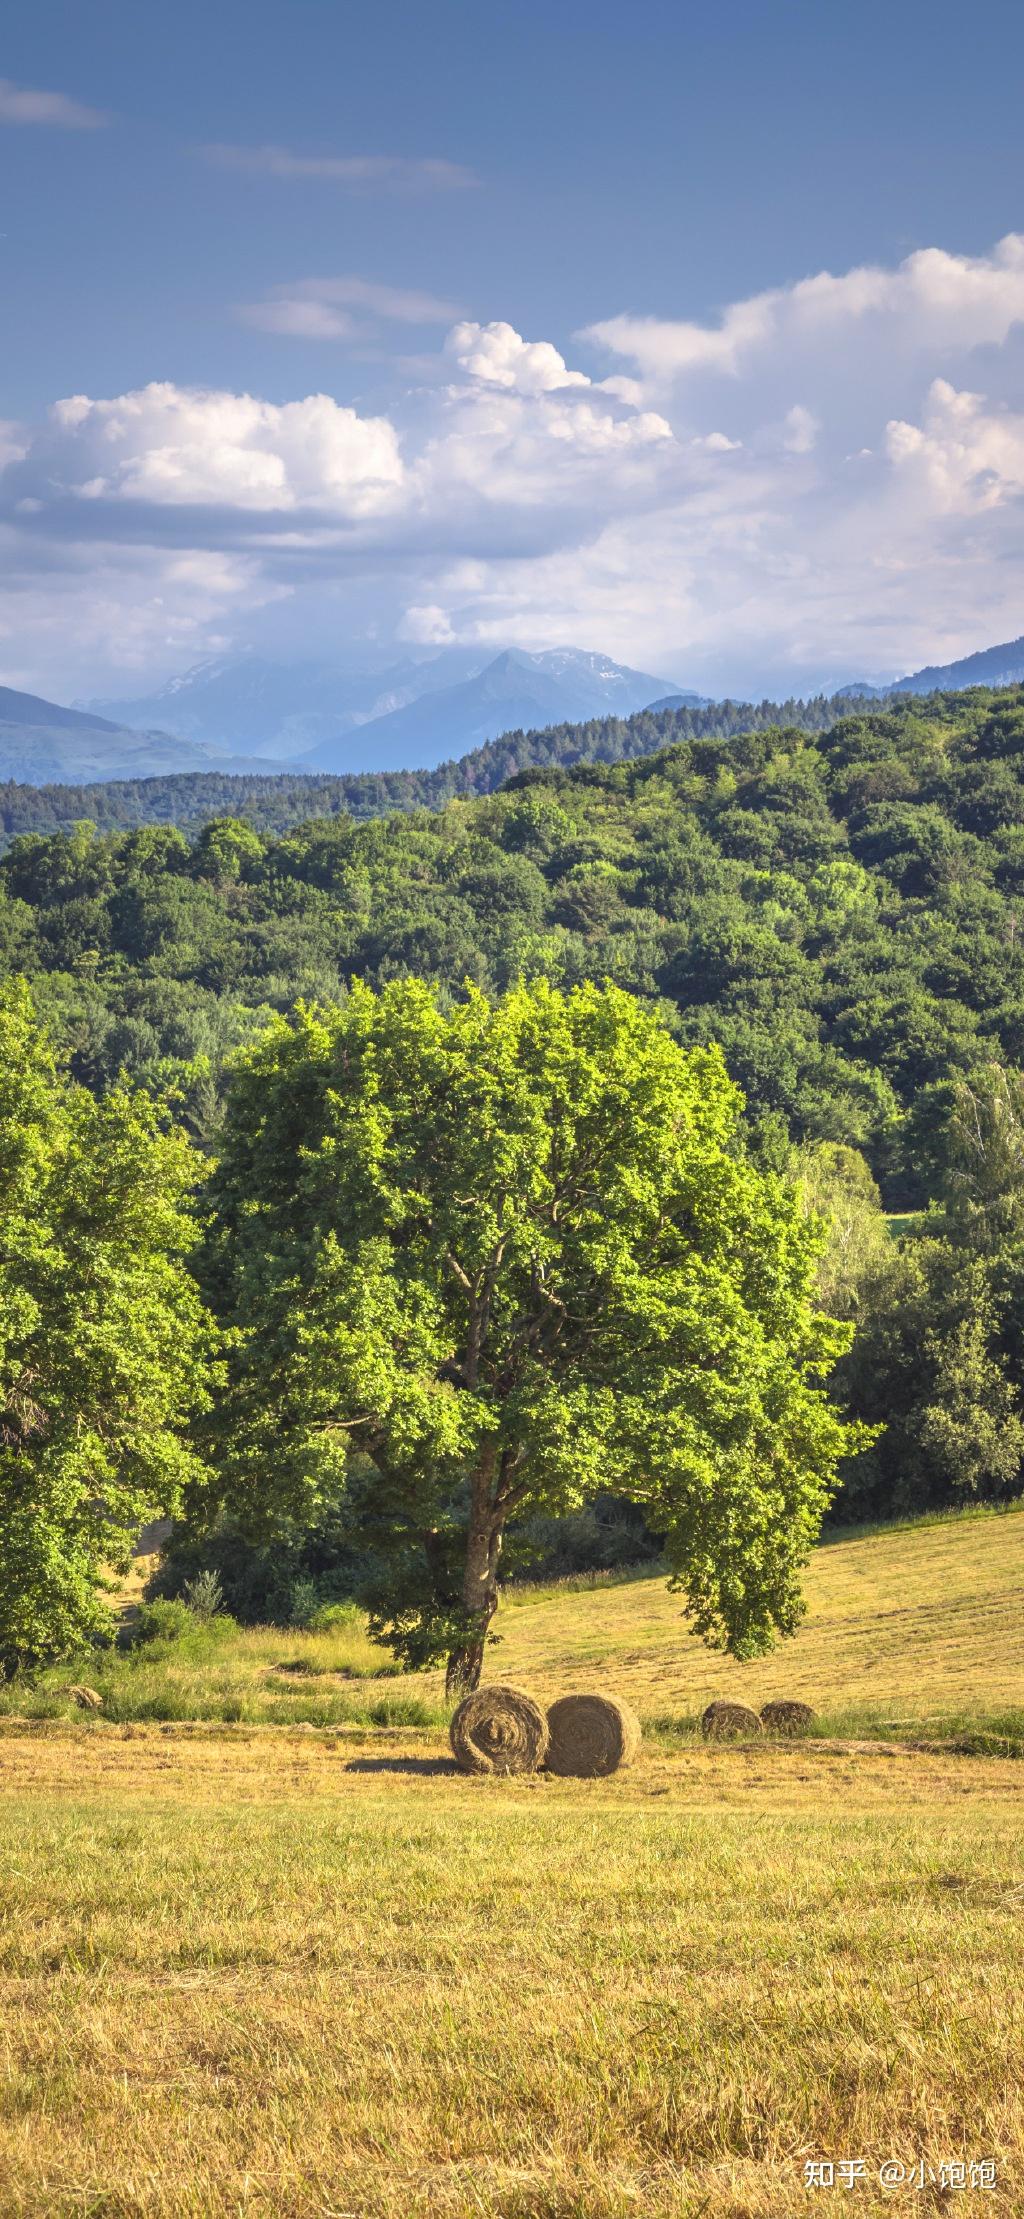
(927, 1366)
(491, 1260)
(335, 1617)
(104, 1344)
(203, 1595)
(982, 1160)
(835, 1186)
(831, 899)
(304, 1603)
(258, 1580)
(604, 1536)
(835, 906)
(164, 1621)
(277, 800)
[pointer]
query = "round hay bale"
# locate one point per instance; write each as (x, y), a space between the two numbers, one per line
(498, 1729)
(85, 1697)
(787, 1717)
(590, 1735)
(729, 1722)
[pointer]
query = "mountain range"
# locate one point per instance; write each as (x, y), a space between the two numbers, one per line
(409, 716)
(993, 666)
(41, 741)
(244, 715)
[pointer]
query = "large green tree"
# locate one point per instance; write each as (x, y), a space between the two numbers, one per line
(103, 1338)
(486, 1261)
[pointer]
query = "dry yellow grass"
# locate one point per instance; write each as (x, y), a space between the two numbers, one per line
(266, 1972)
(914, 1621)
(296, 1973)
(921, 1624)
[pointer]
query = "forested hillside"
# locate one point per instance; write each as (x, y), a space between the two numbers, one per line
(274, 801)
(843, 912)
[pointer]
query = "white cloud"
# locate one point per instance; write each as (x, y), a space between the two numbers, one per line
(20, 105)
(662, 349)
(629, 390)
(298, 316)
(559, 456)
(14, 441)
(398, 171)
(426, 626)
(320, 307)
(833, 489)
(119, 611)
(933, 299)
(168, 445)
(965, 458)
(800, 431)
(496, 355)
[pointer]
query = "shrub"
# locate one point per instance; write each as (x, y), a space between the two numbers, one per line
(258, 1580)
(204, 1594)
(163, 1621)
(335, 1617)
(171, 1621)
(304, 1602)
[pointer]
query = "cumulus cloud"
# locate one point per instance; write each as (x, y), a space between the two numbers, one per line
(83, 611)
(19, 104)
(964, 458)
(666, 349)
(496, 355)
(827, 484)
(13, 441)
(933, 299)
(168, 445)
(426, 626)
(321, 308)
(800, 431)
(399, 171)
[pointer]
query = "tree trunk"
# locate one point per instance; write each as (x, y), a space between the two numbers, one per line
(479, 1584)
(464, 1668)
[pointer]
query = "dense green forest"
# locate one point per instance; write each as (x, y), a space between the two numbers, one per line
(279, 800)
(840, 910)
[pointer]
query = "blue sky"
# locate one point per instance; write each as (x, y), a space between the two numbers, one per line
(285, 254)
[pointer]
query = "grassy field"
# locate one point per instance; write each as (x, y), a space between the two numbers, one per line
(917, 1628)
(257, 1674)
(279, 1969)
(275, 1973)
(913, 1630)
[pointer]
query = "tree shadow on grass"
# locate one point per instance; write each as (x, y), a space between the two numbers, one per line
(427, 1767)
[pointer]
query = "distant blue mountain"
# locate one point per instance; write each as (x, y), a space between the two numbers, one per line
(991, 666)
(514, 692)
(243, 703)
(42, 743)
(427, 707)
(30, 709)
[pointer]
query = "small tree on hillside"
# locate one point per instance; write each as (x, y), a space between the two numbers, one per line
(489, 1262)
(103, 1338)
(982, 1159)
(835, 1186)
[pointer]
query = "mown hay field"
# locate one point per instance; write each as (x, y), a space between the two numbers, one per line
(909, 1625)
(286, 1969)
(248, 1971)
(909, 1630)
